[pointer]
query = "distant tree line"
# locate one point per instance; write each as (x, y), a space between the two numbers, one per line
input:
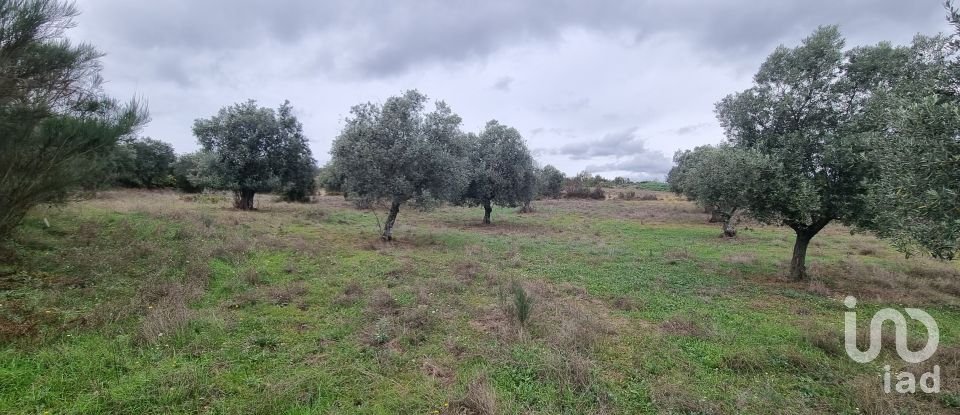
(245, 149)
(864, 136)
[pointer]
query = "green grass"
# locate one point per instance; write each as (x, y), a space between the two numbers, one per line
(300, 309)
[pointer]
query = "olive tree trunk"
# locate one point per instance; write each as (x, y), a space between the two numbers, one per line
(805, 233)
(729, 231)
(486, 212)
(243, 199)
(391, 219)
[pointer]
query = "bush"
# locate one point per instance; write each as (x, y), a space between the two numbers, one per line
(598, 193)
(145, 163)
(57, 126)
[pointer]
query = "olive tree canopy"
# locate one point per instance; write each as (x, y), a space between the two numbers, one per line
(810, 113)
(550, 182)
(254, 150)
(722, 179)
(501, 169)
(395, 152)
(916, 201)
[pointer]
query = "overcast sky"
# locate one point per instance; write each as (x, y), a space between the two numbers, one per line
(614, 87)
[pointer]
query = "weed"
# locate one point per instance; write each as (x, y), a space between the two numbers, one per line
(383, 331)
(522, 303)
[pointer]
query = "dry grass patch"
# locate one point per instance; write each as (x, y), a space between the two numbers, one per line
(671, 397)
(383, 303)
(831, 341)
(686, 325)
(351, 295)
(867, 393)
(743, 258)
(493, 320)
(819, 288)
(677, 256)
(572, 371)
(625, 303)
(169, 315)
(948, 358)
(437, 372)
(286, 293)
(923, 281)
(479, 399)
(467, 271)
(746, 363)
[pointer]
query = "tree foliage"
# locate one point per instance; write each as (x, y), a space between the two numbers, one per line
(720, 178)
(145, 162)
(191, 171)
(255, 150)
(916, 201)
(550, 182)
(812, 112)
(298, 169)
(396, 152)
(56, 124)
(501, 169)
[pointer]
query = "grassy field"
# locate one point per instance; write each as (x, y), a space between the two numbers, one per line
(138, 302)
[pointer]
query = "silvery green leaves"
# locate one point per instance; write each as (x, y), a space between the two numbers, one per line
(866, 136)
(550, 182)
(722, 178)
(809, 113)
(396, 152)
(253, 149)
(501, 169)
(916, 201)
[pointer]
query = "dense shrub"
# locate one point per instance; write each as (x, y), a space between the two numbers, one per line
(57, 126)
(145, 163)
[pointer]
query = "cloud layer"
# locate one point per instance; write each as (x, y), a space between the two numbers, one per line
(565, 72)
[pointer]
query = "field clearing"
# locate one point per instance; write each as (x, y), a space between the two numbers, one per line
(156, 302)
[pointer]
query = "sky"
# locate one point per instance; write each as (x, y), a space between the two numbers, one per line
(608, 86)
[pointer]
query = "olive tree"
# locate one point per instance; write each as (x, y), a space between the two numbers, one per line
(56, 124)
(916, 201)
(254, 150)
(191, 171)
(501, 169)
(550, 182)
(720, 178)
(809, 111)
(396, 152)
(297, 169)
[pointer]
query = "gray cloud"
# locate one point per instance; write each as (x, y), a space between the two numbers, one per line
(649, 164)
(647, 71)
(614, 144)
(566, 106)
(687, 129)
(369, 38)
(621, 151)
(503, 84)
